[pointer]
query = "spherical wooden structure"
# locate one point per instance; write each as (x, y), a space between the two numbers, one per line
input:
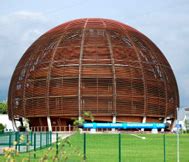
(96, 65)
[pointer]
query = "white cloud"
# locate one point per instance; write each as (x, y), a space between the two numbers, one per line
(164, 22)
(25, 15)
(17, 31)
(168, 29)
(186, 84)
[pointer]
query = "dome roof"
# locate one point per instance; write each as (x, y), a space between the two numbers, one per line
(96, 65)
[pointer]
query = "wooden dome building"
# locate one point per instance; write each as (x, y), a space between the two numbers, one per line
(97, 65)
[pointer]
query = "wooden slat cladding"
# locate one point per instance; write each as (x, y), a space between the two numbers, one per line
(96, 71)
(35, 107)
(63, 106)
(96, 65)
(62, 87)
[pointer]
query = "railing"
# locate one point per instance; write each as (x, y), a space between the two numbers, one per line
(118, 147)
(54, 128)
(25, 141)
(67, 129)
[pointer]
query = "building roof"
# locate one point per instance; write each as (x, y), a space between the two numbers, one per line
(187, 109)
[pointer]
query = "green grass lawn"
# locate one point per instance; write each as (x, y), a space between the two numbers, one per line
(104, 148)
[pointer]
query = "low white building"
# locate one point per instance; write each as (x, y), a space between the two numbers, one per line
(4, 119)
(186, 119)
(183, 117)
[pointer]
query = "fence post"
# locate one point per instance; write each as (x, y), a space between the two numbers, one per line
(27, 142)
(18, 142)
(84, 146)
(56, 144)
(164, 145)
(31, 138)
(178, 149)
(119, 147)
(34, 145)
(10, 140)
(40, 140)
(46, 138)
(50, 138)
(16, 139)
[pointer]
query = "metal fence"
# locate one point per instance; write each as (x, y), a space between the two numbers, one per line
(105, 146)
(131, 147)
(25, 141)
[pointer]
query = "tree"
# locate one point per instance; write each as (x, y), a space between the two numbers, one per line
(3, 107)
(1, 127)
(187, 124)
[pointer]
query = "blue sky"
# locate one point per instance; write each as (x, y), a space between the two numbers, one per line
(166, 23)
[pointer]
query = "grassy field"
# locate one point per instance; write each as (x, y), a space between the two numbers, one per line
(104, 148)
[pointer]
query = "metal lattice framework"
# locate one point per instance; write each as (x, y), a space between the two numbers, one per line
(96, 65)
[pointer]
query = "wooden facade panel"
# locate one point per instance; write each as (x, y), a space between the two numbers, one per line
(71, 71)
(96, 87)
(156, 89)
(124, 86)
(154, 107)
(137, 87)
(138, 105)
(105, 105)
(124, 105)
(103, 53)
(38, 88)
(39, 73)
(19, 92)
(18, 106)
(89, 104)
(36, 106)
(56, 103)
(96, 71)
(60, 87)
(89, 53)
(123, 72)
(70, 105)
(136, 73)
(96, 65)
(129, 119)
(57, 72)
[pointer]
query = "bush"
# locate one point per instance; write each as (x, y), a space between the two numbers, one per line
(3, 108)
(21, 129)
(2, 127)
(187, 131)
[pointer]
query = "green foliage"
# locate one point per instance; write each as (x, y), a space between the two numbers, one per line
(22, 128)
(86, 115)
(3, 107)
(89, 115)
(78, 122)
(1, 127)
(186, 131)
(67, 150)
(187, 124)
